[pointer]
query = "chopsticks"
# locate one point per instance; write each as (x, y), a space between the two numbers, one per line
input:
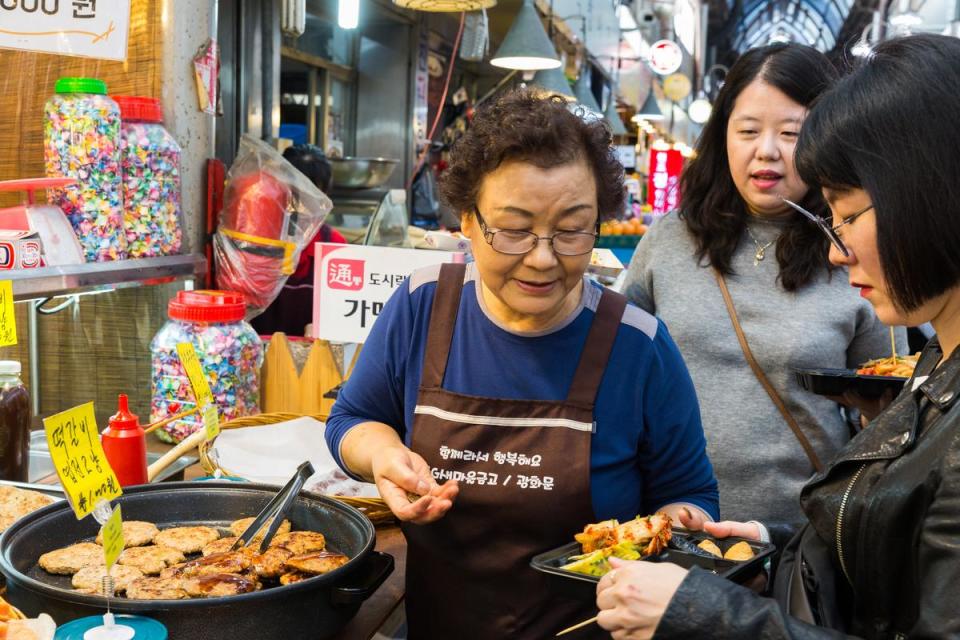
(579, 625)
(893, 344)
(162, 423)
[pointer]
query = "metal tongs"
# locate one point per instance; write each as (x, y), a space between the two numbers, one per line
(276, 509)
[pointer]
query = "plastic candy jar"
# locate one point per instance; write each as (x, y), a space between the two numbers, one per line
(81, 134)
(150, 171)
(230, 355)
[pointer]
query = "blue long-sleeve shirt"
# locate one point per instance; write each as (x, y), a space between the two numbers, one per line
(648, 449)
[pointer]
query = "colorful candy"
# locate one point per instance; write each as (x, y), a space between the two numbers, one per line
(81, 140)
(230, 353)
(150, 167)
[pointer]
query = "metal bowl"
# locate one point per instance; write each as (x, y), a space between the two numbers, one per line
(361, 173)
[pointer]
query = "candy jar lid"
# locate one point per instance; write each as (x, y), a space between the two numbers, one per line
(122, 419)
(207, 306)
(139, 108)
(81, 85)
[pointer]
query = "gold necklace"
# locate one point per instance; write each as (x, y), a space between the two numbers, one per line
(761, 248)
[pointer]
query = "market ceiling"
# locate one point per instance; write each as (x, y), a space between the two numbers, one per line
(828, 25)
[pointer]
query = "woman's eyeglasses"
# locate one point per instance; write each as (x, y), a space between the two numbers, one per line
(833, 233)
(515, 243)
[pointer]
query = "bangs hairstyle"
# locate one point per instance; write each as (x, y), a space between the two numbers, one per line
(710, 205)
(521, 126)
(890, 128)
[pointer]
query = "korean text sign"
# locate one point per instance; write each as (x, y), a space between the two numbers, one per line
(663, 187)
(352, 283)
(88, 28)
(78, 457)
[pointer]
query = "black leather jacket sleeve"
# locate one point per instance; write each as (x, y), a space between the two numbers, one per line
(709, 607)
(938, 572)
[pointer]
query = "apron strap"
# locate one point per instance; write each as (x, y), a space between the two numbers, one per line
(596, 350)
(443, 318)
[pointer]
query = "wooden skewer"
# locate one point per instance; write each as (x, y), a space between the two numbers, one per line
(577, 626)
(166, 421)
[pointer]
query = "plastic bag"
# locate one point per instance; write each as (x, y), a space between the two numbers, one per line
(270, 212)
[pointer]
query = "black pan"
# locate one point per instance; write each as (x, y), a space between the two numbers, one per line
(315, 608)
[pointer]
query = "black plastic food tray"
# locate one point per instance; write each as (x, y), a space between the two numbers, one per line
(833, 382)
(581, 585)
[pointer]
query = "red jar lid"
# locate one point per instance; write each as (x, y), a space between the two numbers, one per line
(139, 108)
(207, 306)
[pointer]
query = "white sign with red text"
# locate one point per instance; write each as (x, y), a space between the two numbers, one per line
(665, 57)
(88, 28)
(353, 282)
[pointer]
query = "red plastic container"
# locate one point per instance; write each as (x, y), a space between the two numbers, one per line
(125, 445)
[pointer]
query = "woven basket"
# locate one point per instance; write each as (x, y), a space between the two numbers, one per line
(373, 508)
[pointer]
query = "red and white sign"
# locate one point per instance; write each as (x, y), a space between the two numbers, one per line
(353, 282)
(663, 186)
(665, 57)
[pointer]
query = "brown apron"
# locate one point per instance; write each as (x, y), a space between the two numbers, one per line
(524, 473)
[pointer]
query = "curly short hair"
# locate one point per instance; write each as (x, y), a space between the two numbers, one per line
(543, 131)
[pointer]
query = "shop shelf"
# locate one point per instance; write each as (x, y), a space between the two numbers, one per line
(618, 242)
(102, 276)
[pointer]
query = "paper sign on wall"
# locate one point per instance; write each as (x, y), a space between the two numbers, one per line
(87, 28)
(78, 457)
(352, 283)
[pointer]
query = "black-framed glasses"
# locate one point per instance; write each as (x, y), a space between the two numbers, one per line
(833, 233)
(516, 243)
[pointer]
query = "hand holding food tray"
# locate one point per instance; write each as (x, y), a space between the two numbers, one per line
(871, 380)
(579, 565)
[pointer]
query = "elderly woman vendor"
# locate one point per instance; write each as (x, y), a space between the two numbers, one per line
(544, 401)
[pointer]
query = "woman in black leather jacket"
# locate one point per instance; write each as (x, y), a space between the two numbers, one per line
(880, 555)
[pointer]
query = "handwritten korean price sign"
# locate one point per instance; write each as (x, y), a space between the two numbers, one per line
(79, 460)
(113, 538)
(201, 389)
(8, 321)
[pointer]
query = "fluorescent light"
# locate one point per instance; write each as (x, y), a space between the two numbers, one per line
(348, 14)
(908, 19)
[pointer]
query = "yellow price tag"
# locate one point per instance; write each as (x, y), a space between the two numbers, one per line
(211, 421)
(113, 538)
(8, 320)
(191, 364)
(78, 457)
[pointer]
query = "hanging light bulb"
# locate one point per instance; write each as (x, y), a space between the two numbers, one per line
(650, 109)
(700, 109)
(581, 89)
(526, 45)
(553, 81)
(348, 14)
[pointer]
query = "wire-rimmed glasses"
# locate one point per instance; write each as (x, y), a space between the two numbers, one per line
(831, 232)
(515, 242)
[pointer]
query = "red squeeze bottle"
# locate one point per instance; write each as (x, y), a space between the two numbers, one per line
(125, 445)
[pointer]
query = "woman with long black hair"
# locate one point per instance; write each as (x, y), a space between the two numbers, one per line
(736, 259)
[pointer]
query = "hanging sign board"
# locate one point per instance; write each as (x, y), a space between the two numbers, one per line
(665, 57)
(352, 283)
(86, 28)
(663, 187)
(8, 318)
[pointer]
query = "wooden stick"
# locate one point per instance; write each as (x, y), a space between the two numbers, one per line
(167, 459)
(577, 626)
(893, 344)
(162, 423)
